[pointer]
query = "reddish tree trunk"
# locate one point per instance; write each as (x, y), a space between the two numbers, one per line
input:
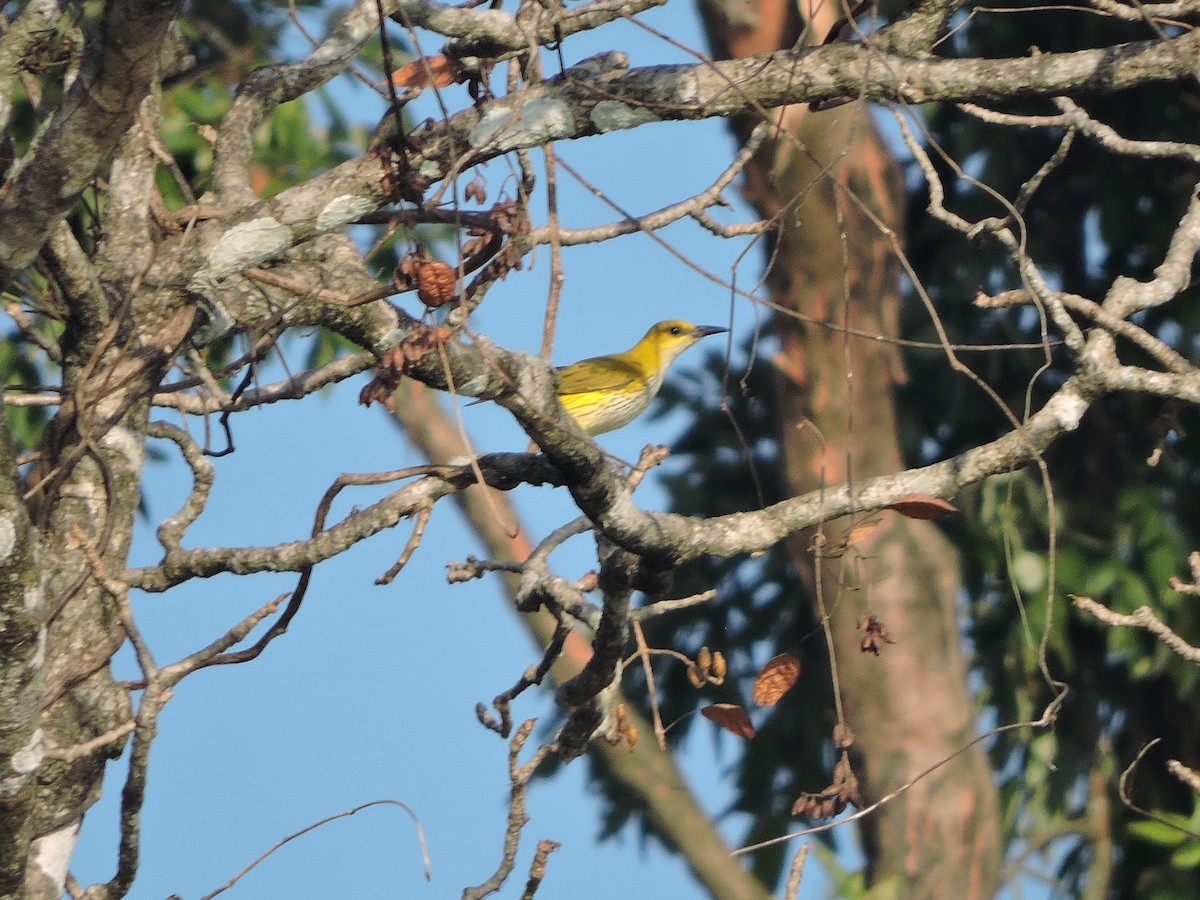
(835, 190)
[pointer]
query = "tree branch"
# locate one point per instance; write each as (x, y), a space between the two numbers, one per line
(120, 67)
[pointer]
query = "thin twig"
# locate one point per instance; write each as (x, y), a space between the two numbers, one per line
(519, 777)
(87, 748)
(537, 869)
(1142, 617)
(1048, 717)
(342, 815)
(414, 541)
(1184, 774)
(643, 653)
(1124, 791)
(796, 872)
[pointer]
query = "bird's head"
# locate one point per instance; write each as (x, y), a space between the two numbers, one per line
(670, 338)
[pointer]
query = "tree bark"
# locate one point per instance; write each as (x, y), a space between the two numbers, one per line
(835, 191)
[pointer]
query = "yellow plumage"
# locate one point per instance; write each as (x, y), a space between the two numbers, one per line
(608, 392)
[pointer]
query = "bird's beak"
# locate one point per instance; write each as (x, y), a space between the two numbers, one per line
(706, 330)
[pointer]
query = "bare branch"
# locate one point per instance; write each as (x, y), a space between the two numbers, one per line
(414, 541)
(87, 748)
(694, 206)
(1147, 12)
(171, 530)
(661, 607)
(1171, 360)
(342, 815)
(269, 86)
(492, 33)
(503, 470)
(603, 95)
(537, 868)
(1192, 589)
(1172, 275)
(534, 675)
(293, 388)
(519, 776)
(796, 872)
(97, 110)
(1142, 617)
(1184, 774)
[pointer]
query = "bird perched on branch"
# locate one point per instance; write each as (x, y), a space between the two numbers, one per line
(608, 392)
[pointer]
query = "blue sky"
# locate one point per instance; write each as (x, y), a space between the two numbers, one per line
(371, 693)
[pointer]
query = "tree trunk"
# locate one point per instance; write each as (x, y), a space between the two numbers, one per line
(835, 191)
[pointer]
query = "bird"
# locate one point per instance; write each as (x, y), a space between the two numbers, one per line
(605, 393)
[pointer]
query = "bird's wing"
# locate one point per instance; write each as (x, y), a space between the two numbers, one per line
(590, 375)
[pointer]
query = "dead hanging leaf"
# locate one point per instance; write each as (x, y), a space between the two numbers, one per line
(438, 71)
(397, 360)
(875, 633)
(434, 280)
(922, 506)
(435, 283)
(476, 190)
(834, 799)
(731, 717)
(776, 679)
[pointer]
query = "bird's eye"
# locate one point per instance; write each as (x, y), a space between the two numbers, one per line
(675, 329)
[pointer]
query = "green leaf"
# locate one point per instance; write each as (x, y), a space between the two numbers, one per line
(1157, 833)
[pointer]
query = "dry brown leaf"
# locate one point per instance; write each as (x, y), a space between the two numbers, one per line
(862, 531)
(435, 283)
(731, 717)
(438, 71)
(476, 190)
(834, 799)
(776, 679)
(922, 506)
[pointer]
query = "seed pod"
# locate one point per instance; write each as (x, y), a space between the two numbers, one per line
(631, 736)
(719, 668)
(435, 282)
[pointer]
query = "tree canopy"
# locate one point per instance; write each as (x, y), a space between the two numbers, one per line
(1009, 349)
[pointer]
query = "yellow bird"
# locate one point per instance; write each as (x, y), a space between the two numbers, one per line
(608, 392)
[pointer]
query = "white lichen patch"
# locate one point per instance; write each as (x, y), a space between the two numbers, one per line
(1069, 410)
(241, 247)
(8, 537)
(248, 243)
(32, 598)
(342, 209)
(541, 120)
(471, 387)
(613, 115)
(39, 655)
(53, 852)
(126, 443)
(29, 757)
(490, 124)
(687, 90)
